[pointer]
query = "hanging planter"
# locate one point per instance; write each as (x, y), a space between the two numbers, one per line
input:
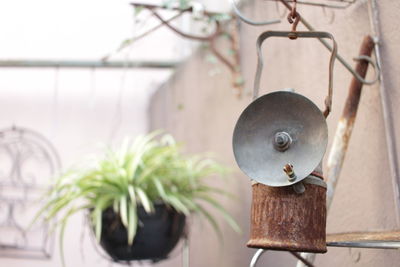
(155, 238)
(138, 197)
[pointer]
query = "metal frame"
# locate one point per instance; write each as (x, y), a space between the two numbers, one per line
(88, 64)
(318, 35)
(18, 187)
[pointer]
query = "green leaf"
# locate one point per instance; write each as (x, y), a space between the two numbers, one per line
(132, 196)
(147, 205)
(177, 204)
(132, 223)
(97, 223)
(123, 211)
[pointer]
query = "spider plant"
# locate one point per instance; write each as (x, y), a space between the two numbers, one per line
(148, 169)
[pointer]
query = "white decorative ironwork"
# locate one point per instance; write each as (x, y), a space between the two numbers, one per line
(28, 163)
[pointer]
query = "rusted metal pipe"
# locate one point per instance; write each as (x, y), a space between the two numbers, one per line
(346, 122)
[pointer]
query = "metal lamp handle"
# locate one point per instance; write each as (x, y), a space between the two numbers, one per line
(289, 34)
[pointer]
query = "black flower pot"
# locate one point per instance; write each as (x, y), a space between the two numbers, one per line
(156, 236)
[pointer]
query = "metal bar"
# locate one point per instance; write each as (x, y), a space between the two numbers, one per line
(363, 244)
(380, 240)
(88, 64)
(329, 47)
(189, 9)
(390, 132)
(344, 5)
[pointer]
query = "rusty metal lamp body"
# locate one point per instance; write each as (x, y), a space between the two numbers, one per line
(279, 142)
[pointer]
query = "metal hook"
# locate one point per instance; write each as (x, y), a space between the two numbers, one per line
(249, 21)
(296, 21)
(374, 66)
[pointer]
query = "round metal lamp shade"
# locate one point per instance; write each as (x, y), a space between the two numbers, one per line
(274, 118)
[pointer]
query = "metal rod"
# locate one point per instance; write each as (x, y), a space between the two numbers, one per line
(87, 64)
(189, 9)
(256, 256)
(345, 4)
(365, 244)
(303, 260)
(346, 122)
(388, 121)
(186, 251)
(329, 47)
(381, 240)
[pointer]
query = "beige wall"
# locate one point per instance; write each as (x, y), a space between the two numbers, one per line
(201, 110)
